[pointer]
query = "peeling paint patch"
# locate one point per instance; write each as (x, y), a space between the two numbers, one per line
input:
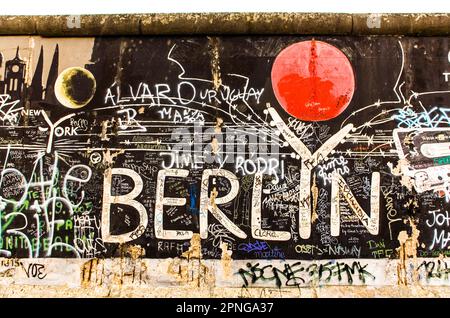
(226, 259)
(374, 21)
(215, 62)
(407, 250)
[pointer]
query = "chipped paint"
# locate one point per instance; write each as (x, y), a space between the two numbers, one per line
(187, 176)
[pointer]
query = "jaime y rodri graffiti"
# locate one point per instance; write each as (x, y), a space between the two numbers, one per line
(297, 158)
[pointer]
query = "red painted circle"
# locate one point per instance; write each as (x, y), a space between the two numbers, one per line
(313, 80)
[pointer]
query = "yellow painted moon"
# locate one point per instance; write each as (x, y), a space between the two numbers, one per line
(75, 87)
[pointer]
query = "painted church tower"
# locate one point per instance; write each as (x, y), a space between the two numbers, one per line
(15, 77)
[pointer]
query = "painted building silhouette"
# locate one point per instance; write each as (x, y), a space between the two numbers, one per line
(14, 81)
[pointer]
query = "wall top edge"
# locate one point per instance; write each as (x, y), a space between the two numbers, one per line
(232, 23)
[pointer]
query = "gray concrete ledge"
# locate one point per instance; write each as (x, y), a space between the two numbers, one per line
(228, 23)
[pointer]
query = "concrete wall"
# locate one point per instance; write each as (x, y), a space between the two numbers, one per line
(247, 165)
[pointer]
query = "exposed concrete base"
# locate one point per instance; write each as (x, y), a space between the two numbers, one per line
(188, 291)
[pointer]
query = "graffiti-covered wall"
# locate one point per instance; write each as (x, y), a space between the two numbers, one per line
(235, 161)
